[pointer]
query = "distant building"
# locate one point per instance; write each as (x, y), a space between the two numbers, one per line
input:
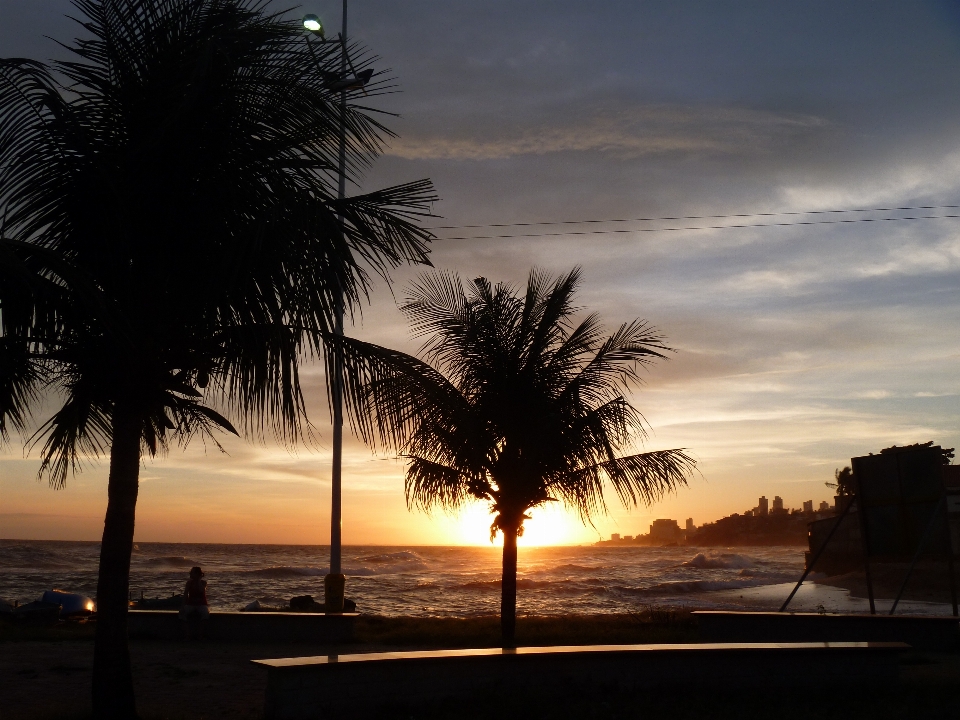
(808, 506)
(824, 506)
(690, 526)
(664, 531)
(615, 537)
(762, 507)
(748, 513)
(777, 504)
(628, 537)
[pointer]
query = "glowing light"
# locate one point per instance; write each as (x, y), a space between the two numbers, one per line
(90, 605)
(551, 525)
(313, 24)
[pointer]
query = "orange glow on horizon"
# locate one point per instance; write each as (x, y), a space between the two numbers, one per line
(548, 525)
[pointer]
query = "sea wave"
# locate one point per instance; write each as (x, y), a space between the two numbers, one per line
(393, 557)
(571, 568)
(170, 561)
(687, 587)
(31, 558)
(287, 571)
(560, 587)
(726, 561)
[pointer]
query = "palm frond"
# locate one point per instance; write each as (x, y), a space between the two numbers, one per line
(429, 484)
(637, 479)
(80, 430)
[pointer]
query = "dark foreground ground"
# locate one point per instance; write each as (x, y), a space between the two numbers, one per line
(45, 674)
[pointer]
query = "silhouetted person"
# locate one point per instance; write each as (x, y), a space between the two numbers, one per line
(195, 608)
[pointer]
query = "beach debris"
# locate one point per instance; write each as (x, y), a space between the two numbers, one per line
(37, 613)
(255, 606)
(174, 602)
(71, 604)
(305, 603)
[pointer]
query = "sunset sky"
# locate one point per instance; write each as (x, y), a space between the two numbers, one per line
(796, 347)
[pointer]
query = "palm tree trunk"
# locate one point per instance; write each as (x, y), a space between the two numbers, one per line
(112, 677)
(508, 589)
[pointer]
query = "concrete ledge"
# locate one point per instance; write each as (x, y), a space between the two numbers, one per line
(246, 626)
(310, 688)
(922, 633)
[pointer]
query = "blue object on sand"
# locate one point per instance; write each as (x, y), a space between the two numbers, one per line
(70, 603)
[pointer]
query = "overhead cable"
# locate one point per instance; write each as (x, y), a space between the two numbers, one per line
(697, 227)
(696, 217)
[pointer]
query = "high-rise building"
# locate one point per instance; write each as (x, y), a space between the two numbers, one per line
(665, 531)
(824, 506)
(808, 506)
(628, 537)
(615, 537)
(690, 526)
(762, 507)
(777, 504)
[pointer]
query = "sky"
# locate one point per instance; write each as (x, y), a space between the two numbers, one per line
(797, 347)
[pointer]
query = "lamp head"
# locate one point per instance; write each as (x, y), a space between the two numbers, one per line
(312, 23)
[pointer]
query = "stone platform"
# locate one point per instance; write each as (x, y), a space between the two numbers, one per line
(246, 626)
(312, 688)
(921, 633)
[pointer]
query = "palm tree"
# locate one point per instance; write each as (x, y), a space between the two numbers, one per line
(517, 405)
(172, 247)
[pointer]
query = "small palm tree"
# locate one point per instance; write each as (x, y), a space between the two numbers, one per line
(172, 246)
(517, 405)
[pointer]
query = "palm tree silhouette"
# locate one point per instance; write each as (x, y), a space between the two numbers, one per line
(172, 247)
(516, 405)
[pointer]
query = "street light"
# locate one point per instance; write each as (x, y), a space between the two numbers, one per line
(313, 24)
(333, 583)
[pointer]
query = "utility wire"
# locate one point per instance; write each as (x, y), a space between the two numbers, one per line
(695, 217)
(696, 227)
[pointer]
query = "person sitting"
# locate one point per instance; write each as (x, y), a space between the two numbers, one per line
(195, 607)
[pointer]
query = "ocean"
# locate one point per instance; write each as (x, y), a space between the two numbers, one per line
(442, 581)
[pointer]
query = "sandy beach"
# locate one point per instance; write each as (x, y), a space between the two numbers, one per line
(45, 675)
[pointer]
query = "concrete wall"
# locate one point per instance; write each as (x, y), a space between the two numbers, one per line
(245, 626)
(353, 685)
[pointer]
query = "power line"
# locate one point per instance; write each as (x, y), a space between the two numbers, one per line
(695, 217)
(697, 227)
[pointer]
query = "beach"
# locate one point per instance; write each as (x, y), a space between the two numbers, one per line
(45, 675)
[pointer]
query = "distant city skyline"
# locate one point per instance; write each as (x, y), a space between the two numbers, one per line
(797, 347)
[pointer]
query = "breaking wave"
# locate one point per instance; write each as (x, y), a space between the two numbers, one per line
(718, 562)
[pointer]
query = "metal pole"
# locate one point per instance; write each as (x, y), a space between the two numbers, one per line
(816, 557)
(335, 506)
(916, 556)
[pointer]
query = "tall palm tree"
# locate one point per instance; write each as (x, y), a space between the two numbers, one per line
(172, 247)
(517, 405)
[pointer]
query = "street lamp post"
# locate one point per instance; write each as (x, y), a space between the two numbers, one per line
(333, 583)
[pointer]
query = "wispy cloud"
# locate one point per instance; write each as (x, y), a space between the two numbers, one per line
(657, 129)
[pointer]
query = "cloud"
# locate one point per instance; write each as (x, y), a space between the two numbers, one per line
(655, 129)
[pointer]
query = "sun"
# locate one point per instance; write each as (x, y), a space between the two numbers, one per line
(548, 525)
